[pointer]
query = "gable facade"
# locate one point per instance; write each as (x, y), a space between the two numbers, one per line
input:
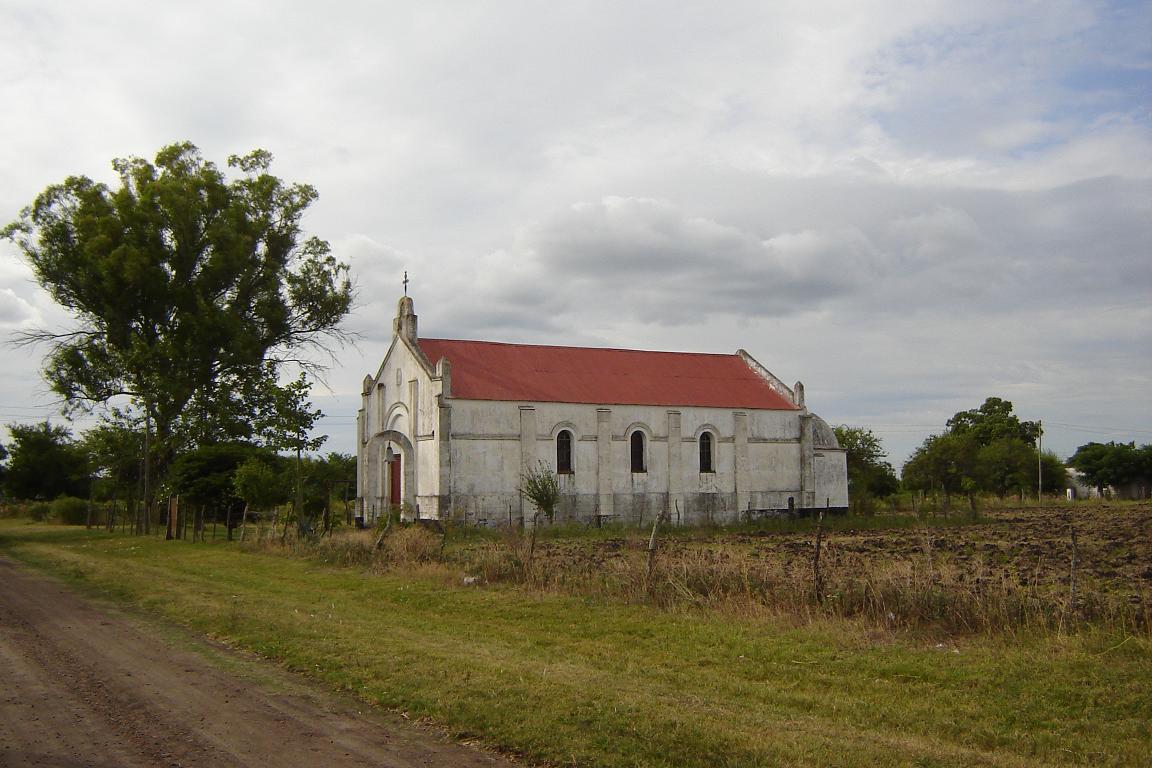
(709, 438)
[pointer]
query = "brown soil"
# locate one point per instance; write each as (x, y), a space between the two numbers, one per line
(1032, 545)
(86, 685)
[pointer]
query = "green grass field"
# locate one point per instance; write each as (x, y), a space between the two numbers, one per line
(579, 682)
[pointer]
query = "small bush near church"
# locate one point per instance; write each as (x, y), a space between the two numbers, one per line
(69, 510)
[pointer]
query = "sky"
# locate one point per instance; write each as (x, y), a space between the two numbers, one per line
(909, 207)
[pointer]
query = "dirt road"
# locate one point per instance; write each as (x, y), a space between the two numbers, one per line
(84, 685)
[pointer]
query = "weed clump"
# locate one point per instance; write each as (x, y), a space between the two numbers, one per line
(407, 545)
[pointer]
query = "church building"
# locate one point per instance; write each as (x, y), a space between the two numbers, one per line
(448, 427)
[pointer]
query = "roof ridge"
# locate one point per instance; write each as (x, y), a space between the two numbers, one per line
(571, 346)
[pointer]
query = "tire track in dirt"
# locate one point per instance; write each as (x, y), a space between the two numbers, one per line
(82, 685)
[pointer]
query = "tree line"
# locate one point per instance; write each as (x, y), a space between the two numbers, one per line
(96, 479)
(984, 450)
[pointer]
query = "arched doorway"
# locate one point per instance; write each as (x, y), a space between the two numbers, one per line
(395, 471)
(395, 462)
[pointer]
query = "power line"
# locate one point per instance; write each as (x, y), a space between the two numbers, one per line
(1102, 428)
(924, 426)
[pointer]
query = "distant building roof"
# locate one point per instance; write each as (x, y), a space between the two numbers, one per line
(486, 370)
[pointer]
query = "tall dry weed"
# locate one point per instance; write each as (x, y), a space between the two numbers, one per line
(924, 591)
(404, 545)
(410, 545)
(932, 581)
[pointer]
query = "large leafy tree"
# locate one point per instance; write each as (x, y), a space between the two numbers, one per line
(257, 409)
(183, 283)
(994, 420)
(1006, 465)
(45, 463)
(945, 463)
(869, 473)
(1055, 474)
(985, 449)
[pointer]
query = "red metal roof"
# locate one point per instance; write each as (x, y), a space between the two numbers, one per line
(486, 370)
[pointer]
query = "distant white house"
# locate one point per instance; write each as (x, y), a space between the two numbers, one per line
(1078, 487)
(447, 428)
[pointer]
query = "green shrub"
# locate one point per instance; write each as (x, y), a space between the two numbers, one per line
(39, 511)
(70, 510)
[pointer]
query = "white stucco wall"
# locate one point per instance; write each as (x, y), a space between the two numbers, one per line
(489, 450)
(831, 478)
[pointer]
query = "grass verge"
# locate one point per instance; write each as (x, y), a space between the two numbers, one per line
(578, 682)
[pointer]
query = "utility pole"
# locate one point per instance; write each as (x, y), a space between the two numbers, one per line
(1040, 461)
(142, 527)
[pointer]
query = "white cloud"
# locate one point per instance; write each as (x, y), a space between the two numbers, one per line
(15, 312)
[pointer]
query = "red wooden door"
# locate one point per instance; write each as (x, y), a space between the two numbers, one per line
(394, 481)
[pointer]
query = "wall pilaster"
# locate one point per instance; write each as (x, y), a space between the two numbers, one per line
(742, 475)
(675, 466)
(604, 461)
(527, 451)
(807, 463)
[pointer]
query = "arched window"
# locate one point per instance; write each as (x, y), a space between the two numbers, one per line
(564, 453)
(706, 464)
(638, 452)
(381, 407)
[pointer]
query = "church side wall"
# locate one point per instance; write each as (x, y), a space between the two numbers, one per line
(490, 445)
(486, 462)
